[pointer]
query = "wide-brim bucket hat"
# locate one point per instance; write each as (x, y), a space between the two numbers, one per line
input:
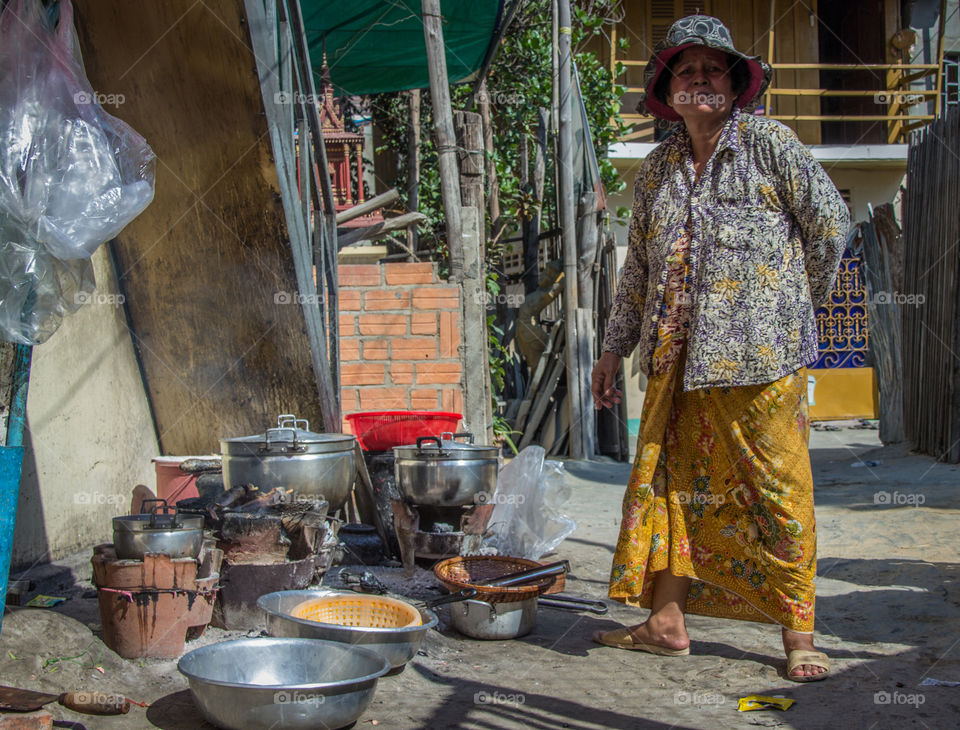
(699, 30)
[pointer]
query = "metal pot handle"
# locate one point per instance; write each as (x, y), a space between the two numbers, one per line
(284, 420)
(161, 513)
(455, 436)
(293, 438)
(425, 439)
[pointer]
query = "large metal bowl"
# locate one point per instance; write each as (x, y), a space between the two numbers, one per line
(398, 646)
(261, 684)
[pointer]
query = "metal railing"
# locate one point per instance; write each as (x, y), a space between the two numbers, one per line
(897, 98)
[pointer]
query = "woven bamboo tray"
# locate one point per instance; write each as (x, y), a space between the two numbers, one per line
(463, 572)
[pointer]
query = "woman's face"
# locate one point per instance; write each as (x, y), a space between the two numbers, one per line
(700, 85)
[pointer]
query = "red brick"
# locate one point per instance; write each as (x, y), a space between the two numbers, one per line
(423, 323)
(383, 399)
(348, 300)
(438, 373)
(449, 334)
(424, 400)
(348, 400)
(359, 275)
(380, 299)
(401, 373)
(451, 400)
(408, 273)
(363, 373)
(349, 349)
(437, 297)
(375, 350)
(413, 348)
(383, 324)
(346, 325)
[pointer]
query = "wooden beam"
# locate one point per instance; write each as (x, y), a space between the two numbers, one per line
(371, 233)
(379, 201)
(446, 138)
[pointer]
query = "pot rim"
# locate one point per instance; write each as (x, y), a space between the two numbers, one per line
(375, 631)
(278, 640)
(135, 523)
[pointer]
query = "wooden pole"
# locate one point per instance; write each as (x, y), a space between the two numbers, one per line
(477, 408)
(568, 228)
(493, 185)
(446, 138)
(413, 164)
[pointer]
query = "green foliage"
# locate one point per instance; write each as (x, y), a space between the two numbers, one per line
(518, 84)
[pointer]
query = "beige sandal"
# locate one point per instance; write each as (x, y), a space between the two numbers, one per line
(623, 639)
(802, 656)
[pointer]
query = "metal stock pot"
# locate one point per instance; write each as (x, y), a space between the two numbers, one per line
(446, 473)
(290, 457)
(160, 529)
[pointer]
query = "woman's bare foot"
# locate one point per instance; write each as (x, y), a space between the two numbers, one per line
(669, 632)
(792, 641)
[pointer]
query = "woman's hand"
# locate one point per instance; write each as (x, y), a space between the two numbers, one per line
(605, 395)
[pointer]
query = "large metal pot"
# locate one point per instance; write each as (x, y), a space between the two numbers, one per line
(311, 464)
(161, 530)
(445, 472)
(496, 621)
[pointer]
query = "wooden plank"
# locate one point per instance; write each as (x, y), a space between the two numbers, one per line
(554, 343)
(379, 201)
(202, 265)
(379, 230)
(541, 402)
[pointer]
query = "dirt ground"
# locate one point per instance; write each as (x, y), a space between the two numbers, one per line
(887, 614)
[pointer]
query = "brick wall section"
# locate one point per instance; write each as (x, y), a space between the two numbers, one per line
(399, 340)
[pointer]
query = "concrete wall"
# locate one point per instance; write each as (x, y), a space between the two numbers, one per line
(89, 437)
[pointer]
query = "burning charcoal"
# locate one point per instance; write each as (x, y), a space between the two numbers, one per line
(263, 502)
(231, 496)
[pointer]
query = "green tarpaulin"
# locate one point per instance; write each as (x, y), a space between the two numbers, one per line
(375, 46)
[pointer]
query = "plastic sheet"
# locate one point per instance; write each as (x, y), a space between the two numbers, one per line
(527, 520)
(71, 175)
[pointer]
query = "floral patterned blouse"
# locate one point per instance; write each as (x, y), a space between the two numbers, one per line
(767, 231)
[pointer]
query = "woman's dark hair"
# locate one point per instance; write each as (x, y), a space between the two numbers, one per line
(739, 77)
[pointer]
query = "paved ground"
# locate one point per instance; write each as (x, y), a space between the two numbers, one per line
(887, 614)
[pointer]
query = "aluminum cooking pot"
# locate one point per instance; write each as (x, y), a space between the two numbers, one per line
(445, 472)
(313, 465)
(160, 530)
(494, 621)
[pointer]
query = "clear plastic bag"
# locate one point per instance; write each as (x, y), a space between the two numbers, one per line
(71, 175)
(527, 519)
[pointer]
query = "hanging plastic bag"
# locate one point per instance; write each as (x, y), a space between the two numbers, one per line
(71, 175)
(527, 519)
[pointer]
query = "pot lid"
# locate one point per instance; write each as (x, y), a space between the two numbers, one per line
(446, 446)
(288, 438)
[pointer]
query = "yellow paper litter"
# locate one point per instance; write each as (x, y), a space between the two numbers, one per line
(763, 702)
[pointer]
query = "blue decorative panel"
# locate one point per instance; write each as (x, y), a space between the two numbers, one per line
(842, 323)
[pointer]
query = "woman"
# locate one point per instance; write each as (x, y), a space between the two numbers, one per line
(735, 239)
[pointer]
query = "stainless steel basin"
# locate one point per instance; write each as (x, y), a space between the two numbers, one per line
(268, 683)
(398, 646)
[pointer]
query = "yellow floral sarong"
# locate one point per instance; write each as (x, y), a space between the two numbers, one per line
(721, 491)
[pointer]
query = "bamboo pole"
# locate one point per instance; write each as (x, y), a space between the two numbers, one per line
(413, 164)
(446, 138)
(568, 222)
